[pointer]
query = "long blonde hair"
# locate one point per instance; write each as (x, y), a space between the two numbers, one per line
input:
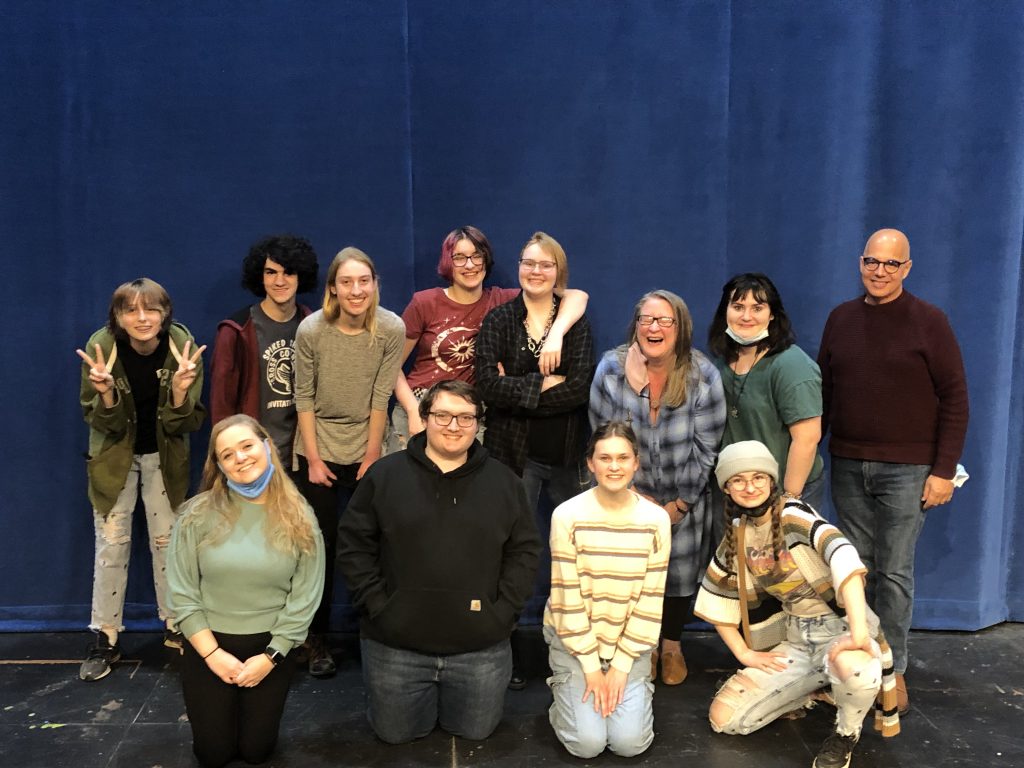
(331, 305)
(286, 523)
(678, 377)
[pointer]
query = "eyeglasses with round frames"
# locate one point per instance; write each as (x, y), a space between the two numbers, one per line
(870, 264)
(759, 481)
(528, 265)
(460, 259)
(663, 322)
(443, 419)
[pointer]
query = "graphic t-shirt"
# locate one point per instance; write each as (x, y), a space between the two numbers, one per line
(446, 333)
(144, 374)
(778, 575)
(276, 345)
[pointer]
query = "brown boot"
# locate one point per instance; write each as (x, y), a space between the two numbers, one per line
(902, 699)
(673, 668)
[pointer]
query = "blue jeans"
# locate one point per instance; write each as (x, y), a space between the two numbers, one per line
(408, 693)
(756, 697)
(627, 731)
(879, 509)
(560, 484)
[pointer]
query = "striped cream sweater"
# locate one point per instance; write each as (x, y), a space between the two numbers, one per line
(608, 575)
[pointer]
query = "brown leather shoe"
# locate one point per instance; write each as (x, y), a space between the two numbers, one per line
(902, 699)
(673, 668)
(654, 666)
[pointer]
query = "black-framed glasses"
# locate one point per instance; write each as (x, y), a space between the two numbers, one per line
(870, 264)
(443, 419)
(544, 266)
(663, 322)
(759, 481)
(460, 259)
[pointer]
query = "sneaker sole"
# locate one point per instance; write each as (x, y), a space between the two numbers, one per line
(110, 668)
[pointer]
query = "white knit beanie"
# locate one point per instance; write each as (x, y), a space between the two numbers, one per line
(745, 456)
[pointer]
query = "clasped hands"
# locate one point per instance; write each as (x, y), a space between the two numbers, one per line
(247, 674)
(608, 689)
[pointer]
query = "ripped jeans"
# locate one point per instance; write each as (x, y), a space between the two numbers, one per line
(756, 698)
(114, 543)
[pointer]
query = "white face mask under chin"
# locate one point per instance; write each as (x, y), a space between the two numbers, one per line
(746, 341)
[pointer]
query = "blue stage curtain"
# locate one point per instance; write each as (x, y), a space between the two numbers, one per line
(665, 144)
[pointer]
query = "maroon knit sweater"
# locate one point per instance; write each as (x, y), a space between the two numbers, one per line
(893, 384)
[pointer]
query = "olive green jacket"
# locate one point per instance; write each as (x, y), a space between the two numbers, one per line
(112, 430)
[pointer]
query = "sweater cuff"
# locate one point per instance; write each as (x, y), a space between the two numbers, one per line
(282, 644)
(590, 662)
(622, 661)
(195, 622)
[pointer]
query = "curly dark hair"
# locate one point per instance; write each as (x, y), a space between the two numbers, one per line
(780, 331)
(293, 253)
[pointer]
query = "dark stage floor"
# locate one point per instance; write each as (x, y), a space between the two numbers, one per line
(967, 692)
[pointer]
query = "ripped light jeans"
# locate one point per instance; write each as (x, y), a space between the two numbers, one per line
(757, 697)
(114, 543)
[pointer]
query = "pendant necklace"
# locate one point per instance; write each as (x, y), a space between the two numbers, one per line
(536, 346)
(735, 410)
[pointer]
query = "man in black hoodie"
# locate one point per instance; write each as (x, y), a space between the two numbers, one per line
(439, 550)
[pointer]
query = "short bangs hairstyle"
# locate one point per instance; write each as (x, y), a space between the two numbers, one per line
(612, 429)
(763, 290)
(149, 292)
(331, 307)
(294, 253)
(445, 267)
(555, 252)
(456, 387)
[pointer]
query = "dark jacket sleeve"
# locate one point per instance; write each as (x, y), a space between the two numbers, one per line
(225, 374)
(825, 365)
(520, 554)
(946, 367)
(495, 343)
(359, 549)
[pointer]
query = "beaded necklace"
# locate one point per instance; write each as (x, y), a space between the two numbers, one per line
(536, 346)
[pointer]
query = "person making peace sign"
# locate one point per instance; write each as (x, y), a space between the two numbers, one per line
(141, 381)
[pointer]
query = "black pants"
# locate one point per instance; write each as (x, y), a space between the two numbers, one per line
(676, 612)
(228, 721)
(327, 504)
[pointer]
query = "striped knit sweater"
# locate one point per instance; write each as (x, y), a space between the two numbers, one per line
(826, 559)
(608, 575)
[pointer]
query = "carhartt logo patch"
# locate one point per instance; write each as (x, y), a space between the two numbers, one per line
(474, 605)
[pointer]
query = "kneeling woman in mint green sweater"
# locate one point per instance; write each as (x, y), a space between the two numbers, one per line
(245, 575)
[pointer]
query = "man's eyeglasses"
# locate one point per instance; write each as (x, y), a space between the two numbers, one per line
(528, 265)
(443, 419)
(664, 322)
(870, 264)
(459, 259)
(738, 483)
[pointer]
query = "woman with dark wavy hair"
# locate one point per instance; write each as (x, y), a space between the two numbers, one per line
(772, 388)
(245, 574)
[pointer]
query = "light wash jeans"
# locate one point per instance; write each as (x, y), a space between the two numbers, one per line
(627, 731)
(879, 510)
(775, 693)
(408, 693)
(114, 544)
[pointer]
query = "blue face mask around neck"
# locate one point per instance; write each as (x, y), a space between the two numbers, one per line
(254, 489)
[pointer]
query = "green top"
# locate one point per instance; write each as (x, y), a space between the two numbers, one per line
(242, 585)
(779, 390)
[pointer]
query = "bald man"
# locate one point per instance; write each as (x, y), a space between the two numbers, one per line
(895, 399)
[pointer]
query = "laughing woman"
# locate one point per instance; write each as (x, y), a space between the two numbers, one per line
(672, 396)
(785, 591)
(245, 575)
(609, 556)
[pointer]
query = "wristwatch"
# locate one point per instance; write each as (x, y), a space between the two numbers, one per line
(274, 655)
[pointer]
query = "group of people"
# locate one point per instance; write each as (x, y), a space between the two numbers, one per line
(437, 519)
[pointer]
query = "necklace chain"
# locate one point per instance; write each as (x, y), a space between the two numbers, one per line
(735, 410)
(536, 346)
